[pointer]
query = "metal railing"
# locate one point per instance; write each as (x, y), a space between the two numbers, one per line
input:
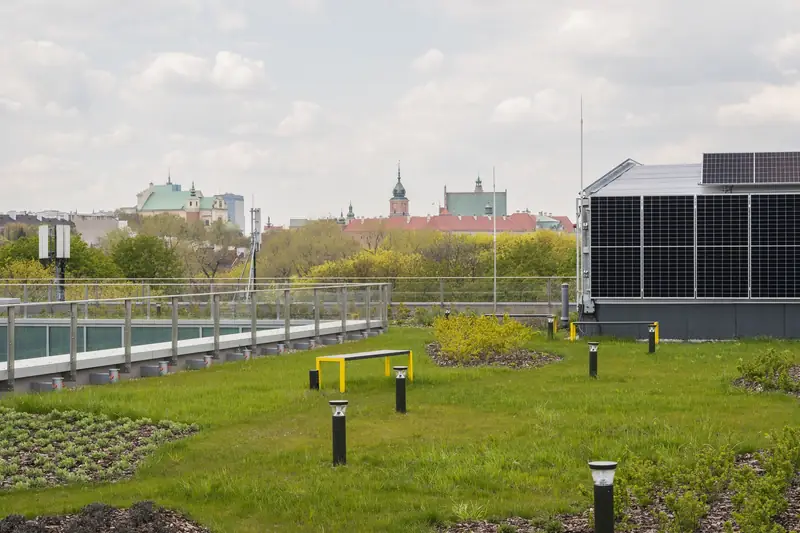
(310, 302)
(417, 290)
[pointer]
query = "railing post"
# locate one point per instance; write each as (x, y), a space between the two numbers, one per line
(253, 323)
(126, 336)
(287, 319)
(387, 294)
(213, 300)
(73, 342)
(343, 294)
(441, 291)
(215, 309)
(174, 358)
(147, 290)
(316, 315)
(25, 300)
(86, 301)
(368, 305)
(549, 296)
(10, 338)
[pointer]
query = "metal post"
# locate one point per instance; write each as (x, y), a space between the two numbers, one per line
(593, 359)
(254, 322)
(651, 338)
(126, 336)
(25, 300)
(86, 302)
(147, 305)
(287, 318)
(316, 315)
(313, 379)
(343, 294)
(339, 431)
(213, 299)
(11, 342)
(400, 389)
(441, 291)
(368, 306)
(174, 358)
(73, 342)
(603, 477)
(386, 303)
(551, 322)
(215, 307)
(564, 305)
(549, 295)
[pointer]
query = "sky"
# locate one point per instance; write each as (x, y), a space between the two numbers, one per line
(307, 105)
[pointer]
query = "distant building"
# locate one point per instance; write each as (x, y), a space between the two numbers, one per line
(475, 203)
(93, 227)
(190, 205)
(398, 205)
(235, 203)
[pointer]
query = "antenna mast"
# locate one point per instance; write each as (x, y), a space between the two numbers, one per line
(494, 244)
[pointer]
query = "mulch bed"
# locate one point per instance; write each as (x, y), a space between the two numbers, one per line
(641, 520)
(142, 517)
(751, 386)
(518, 359)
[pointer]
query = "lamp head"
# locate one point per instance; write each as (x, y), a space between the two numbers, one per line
(401, 371)
(338, 407)
(603, 472)
(593, 346)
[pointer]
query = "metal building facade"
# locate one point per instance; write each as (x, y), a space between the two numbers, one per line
(705, 261)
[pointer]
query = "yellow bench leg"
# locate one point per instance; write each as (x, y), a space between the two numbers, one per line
(319, 373)
(411, 365)
(341, 376)
(387, 366)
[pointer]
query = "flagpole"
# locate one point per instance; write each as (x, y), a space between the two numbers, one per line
(494, 243)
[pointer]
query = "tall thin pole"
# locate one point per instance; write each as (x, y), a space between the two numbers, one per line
(581, 145)
(494, 239)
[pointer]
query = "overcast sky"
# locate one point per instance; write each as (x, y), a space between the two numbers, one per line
(308, 104)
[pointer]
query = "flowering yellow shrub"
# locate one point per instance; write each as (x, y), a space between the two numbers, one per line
(467, 338)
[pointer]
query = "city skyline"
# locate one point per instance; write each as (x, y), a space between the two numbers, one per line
(307, 106)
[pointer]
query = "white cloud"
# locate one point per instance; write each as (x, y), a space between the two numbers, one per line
(176, 70)
(235, 72)
(119, 136)
(430, 61)
(512, 109)
(307, 6)
(770, 104)
(300, 120)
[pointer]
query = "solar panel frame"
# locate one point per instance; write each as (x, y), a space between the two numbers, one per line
(668, 268)
(777, 167)
(616, 238)
(728, 168)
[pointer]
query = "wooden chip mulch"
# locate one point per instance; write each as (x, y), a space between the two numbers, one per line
(519, 359)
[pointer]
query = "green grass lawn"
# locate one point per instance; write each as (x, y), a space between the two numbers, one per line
(493, 442)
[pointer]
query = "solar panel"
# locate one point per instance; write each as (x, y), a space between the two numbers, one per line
(616, 247)
(777, 167)
(722, 246)
(669, 246)
(775, 251)
(728, 169)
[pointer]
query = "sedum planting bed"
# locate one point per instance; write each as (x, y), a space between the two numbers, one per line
(40, 450)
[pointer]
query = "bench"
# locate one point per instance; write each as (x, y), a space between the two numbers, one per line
(573, 327)
(343, 358)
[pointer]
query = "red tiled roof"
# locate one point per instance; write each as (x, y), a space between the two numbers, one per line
(515, 223)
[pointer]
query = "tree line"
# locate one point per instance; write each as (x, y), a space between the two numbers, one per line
(166, 246)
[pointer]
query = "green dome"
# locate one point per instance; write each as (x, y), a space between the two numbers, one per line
(399, 192)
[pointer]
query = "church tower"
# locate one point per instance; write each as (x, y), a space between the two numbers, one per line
(193, 206)
(398, 205)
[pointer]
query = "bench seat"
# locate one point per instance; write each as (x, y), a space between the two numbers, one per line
(342, 359)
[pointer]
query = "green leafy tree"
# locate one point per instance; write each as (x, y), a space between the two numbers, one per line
(146, 256)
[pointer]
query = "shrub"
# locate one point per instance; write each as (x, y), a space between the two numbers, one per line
(468, 338)
(770, 369)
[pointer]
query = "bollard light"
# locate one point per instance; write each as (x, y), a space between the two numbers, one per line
(158, 310)
(603, 477)
(447, 314)
(313, 379)
(400, 388)
(551, 322)
(593, 346)
(339, 431)
(651, 338)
